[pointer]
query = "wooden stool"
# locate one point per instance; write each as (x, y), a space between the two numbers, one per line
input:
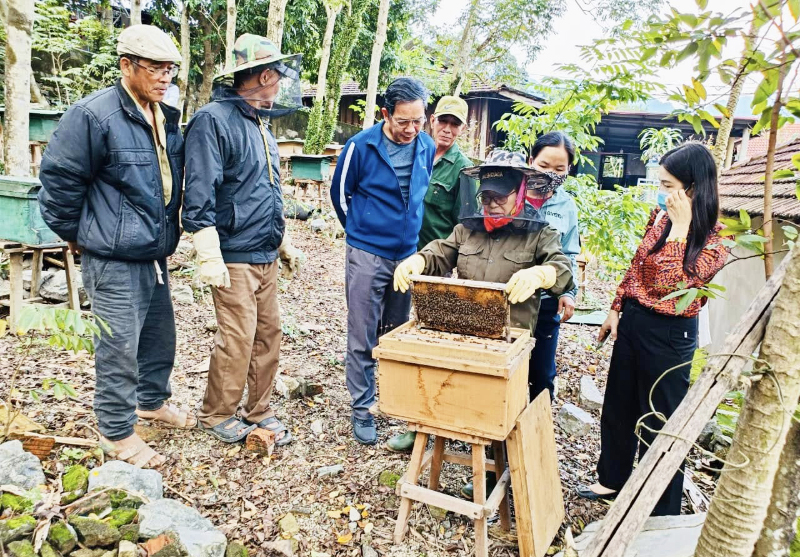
(481, 507)
(15, 253)
(305, 192)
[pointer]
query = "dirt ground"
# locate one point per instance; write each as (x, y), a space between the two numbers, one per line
(246, 495)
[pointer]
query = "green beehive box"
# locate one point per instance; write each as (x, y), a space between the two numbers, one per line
(20, 218)
(311, 167)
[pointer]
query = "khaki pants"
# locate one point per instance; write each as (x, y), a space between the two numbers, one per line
(246, 346)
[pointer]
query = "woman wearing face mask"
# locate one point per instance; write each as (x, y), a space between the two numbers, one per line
(553, 155)
(681, 248)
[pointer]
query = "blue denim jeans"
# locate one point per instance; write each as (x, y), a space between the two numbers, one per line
(542, 369)
(134, 363)
(373, 308)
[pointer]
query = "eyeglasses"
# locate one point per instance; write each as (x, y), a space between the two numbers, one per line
(488, 199)
(417, 122)
(170, 71)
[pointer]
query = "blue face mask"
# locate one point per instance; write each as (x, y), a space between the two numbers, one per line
(662, 199)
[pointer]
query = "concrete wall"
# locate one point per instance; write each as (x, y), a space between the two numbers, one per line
(742, 280)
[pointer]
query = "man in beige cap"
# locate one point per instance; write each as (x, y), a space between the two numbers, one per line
(111, 187)
(442, 206)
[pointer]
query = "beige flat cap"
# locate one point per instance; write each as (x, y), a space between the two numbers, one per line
(148, 41)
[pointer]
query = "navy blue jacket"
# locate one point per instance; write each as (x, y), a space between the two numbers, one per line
(227, 181)
(366, 195)
(101, 180)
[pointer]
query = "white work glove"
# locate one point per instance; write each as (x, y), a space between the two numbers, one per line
(211, 268)
(524, 283)
(291, 258)
(414, 265)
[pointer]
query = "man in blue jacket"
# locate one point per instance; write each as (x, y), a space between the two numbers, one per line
(111, 188)
(378, 191)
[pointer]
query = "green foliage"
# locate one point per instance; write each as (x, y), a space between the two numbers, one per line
(655, 142)
(611, 223)
(68, 328)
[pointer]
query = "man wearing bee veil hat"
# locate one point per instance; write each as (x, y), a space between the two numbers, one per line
(233, 206)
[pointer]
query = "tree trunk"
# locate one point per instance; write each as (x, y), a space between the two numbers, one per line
(204, 94)
(186, 54)
(769, 261)
(464, 50)
(19, 26)
(784, 509)
(375, 64)
(741, 499)
(230, 31)
(331, 12)
(107, 15)
(277, 8)
(136, 12)
(36, 94)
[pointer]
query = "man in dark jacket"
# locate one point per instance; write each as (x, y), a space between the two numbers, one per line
(234, 208)
(111, 184)
(378, 190)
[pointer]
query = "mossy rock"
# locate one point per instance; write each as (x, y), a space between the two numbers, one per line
(62, 537)
(121, 517)
(86, 552)
(173, 547)
(235, 549)
(93, 532)
(129, 532)
(389, 478)
(92, 505)
(121, 499)
(16, 503)
(48, 551)
(21, 548)
(75, 482)
(16, 528)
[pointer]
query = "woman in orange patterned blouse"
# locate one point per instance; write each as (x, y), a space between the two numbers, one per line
(681, 248)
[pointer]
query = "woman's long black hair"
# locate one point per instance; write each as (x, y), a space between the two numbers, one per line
(555, 139)
(694, 167)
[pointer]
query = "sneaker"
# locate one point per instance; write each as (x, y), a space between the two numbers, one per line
(364, 431)
(468, 491)
(402, 443)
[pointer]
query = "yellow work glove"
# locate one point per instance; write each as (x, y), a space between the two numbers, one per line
(291, 258)
(524, 283)
(414, 265)
(211, 268)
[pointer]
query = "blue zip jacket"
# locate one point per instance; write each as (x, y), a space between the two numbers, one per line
(561, 213)
(366, 195)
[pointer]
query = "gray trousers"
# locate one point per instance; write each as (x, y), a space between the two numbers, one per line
(373, 308)
(133, 365)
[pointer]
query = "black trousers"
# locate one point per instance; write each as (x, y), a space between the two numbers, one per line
(647, 345)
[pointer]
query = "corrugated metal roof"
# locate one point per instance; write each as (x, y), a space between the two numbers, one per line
(742, 186)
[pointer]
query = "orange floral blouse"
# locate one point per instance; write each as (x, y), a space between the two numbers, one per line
(653, 276)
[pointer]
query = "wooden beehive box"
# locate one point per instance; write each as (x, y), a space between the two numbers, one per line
(460, 383)
(20, 218)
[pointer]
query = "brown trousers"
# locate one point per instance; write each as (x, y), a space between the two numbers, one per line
(246, 346)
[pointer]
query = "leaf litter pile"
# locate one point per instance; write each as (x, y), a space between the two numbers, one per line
(324, 493)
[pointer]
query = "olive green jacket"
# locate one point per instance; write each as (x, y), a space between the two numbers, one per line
(494, 257)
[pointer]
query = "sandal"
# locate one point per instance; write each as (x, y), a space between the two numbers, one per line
(171, 415)
(140, 454)
(274, 425)
(225, 431)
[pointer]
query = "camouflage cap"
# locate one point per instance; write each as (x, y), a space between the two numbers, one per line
(251, 51)
(500, 158)
(454, 106)
(148, 41)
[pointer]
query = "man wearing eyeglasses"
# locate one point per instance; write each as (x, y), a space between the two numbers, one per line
(111, 187)
(378, 190)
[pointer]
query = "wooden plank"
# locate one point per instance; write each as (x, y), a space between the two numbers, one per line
(449, 363)
(465, 460)
(36, 272)
(641, 492)
(457, 435)
(72, 284)
(442, 500)
(414, 467)
(535, 478)
(499, 450)
(479, 498)
(499, 494)
(501, 286)
(436, 463)
(15, 297)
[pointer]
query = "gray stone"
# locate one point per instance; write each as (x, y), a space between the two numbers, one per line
(16, 528)
(355, 516)
(368, 551)
(317, 427)
(290, 387)
(662, 536)
(289, 525)
(330, 470)
(121, 475)
(709, 433)
(5, 287)
(281, 548)
(195, 532)
(18, 467)
(27, 274)
(185, 247)
(590, 396)
(319, 225)
(575, 421)
(183, 294)
(54, 287)
(127, 549)
(211, 325)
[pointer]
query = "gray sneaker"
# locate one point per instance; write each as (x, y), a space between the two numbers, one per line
(364, 430)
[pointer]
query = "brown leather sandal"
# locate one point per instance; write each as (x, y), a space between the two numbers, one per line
(171, 415)
(139, 454)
